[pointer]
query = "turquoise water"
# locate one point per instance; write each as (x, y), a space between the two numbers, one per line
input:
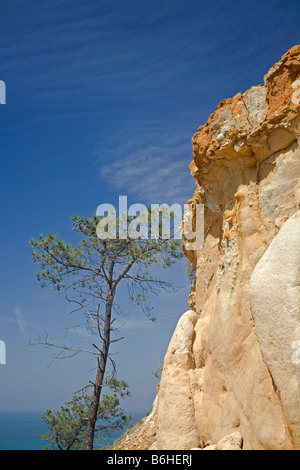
(20, 431)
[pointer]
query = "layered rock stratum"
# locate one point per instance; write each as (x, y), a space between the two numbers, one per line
(231, 374)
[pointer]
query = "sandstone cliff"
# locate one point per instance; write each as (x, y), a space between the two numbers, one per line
(230, 373)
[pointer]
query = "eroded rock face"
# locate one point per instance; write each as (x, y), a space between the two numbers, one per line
(275, 303)
(222, 374)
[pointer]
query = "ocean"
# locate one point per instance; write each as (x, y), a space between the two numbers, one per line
(21, 431)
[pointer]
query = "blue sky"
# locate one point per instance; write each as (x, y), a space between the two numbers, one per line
(103, 98)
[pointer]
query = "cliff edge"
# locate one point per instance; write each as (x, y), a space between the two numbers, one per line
(231, 375)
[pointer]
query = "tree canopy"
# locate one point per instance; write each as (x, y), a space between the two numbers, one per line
(90, 273)
(67, 427)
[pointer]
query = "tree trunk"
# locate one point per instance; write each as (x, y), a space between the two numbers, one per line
(93, 411)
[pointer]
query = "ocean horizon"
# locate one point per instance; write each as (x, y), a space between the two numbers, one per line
(21, 430)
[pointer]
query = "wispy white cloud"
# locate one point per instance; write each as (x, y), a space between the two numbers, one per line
(154, 169)
(21, 323)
